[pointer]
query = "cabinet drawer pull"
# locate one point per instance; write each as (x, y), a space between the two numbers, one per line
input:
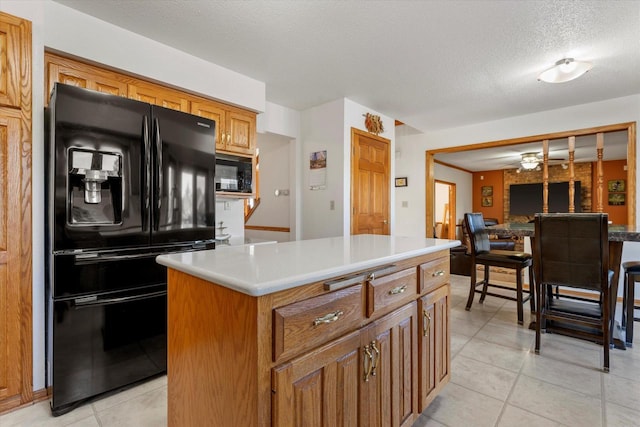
(437, 273)
(375, 358)
(368, 363)
(398, 290)
(328, 318)
(426, 323)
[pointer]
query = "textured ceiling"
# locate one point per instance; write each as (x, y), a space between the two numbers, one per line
(430, 64)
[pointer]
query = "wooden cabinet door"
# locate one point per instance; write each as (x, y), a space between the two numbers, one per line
(321, 388)
(241, 131)
(158, 95)
(434, 342)
(62, 70)
(11, 307)
(215, 113)
(10, 60)
(392, 388)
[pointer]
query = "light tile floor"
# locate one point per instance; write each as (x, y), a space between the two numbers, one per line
(496, 380)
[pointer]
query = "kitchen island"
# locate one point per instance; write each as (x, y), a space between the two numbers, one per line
(338, 331)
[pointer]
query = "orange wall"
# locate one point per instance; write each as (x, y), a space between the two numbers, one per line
(493, 179)
(612, 170)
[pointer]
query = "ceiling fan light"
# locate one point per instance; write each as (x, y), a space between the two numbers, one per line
(565, 70)
(529, 161)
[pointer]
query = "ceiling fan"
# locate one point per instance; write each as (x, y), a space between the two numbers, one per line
(532, 161)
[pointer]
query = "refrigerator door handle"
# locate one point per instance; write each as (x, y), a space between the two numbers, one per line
(159, 172)
(92, 301)
(84, 259)
(147, 171)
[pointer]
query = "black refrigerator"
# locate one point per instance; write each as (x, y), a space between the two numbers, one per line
(125, 182)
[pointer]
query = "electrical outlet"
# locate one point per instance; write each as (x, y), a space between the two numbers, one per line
(405, 204)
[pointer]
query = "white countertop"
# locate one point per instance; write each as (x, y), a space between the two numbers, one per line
(261, 269)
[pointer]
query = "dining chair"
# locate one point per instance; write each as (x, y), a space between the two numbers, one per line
(572, 250)
(482, 254)
(631, 277)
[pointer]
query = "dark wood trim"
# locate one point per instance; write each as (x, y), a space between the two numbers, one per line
(267, 228)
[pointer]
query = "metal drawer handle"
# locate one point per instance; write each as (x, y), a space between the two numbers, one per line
(328, 318)
(438, 273)
(426, 323)
(368, 363)
(376, 358)
(398, 290)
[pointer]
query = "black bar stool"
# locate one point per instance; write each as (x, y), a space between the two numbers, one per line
(631, 276)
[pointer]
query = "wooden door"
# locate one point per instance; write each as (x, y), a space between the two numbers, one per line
(215, 113)
(445, 205)
(434, 342)
(392, 389)
(321, 388)
(10, 307)
(370, 164)
(16, 357)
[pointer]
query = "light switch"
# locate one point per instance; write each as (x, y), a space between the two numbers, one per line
(405, 204)
(332, 205)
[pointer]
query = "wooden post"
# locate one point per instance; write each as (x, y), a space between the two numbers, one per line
(572, 177)
(545, 176)
(600, 178)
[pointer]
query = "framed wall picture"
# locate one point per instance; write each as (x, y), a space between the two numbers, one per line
(487, 190)
(401, 182)
(487, 201)
(616, 199)
(616, 186)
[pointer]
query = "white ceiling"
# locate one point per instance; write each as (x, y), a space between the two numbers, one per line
(430, 64)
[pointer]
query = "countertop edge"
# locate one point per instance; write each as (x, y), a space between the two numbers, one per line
(269, 287)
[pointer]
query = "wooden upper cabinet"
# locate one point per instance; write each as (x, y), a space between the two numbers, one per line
(241, 131)
(158, 95)
(63, 70)
(213, 112)
(11, 57)
(236, 129)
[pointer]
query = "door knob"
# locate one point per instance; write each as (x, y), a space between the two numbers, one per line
(384, 221)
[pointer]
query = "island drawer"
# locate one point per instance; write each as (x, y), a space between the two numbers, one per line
(391, 291)
(306, 324)
(434, 274)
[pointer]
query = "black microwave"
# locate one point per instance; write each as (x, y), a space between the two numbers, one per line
(233, 173)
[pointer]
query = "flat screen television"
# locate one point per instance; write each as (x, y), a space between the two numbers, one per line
(526, 199)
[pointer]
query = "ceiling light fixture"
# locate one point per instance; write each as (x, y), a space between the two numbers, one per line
(529, 161)
(565, 70)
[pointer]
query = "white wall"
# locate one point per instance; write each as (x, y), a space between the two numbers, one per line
(322, 128)
(279, 120)
(273, 210)
(231, 213)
